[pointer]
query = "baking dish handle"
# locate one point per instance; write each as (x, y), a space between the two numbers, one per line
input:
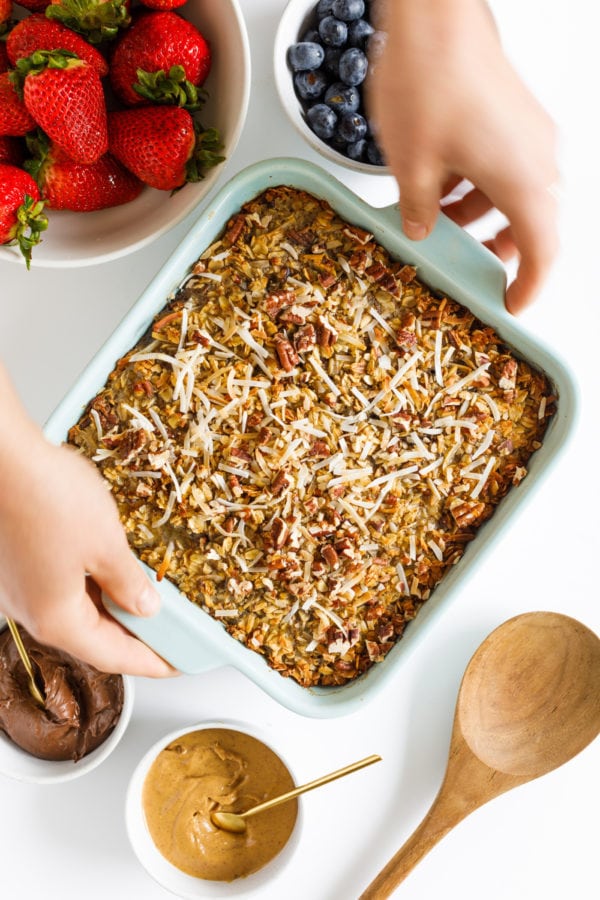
(180, 632)
(450, 260)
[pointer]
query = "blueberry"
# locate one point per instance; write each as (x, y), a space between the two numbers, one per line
(322, 120)
(352, 127)
(342, 98)
(310, 85)
(312, 36)
(348, 10)
(333, 31)
(374, 154)
(324, 8)
(358, 33)
(331, 64)
(305, 56)
(338, 143)
(356, 150)
(353, 66)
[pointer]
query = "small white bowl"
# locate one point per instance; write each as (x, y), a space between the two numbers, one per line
(166, 874)
(22, 766)
(81, 239)
(293, 23)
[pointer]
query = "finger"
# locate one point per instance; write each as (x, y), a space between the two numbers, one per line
(503, 245)
(118, 573)
(420, 192)
(535, 234)
(91, 634)
(469, 208)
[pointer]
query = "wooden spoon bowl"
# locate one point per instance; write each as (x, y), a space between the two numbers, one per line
(528, 702)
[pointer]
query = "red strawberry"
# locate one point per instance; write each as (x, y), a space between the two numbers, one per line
(64, 95)
(21, 216)
(163, 4)
(65, 184)
(36, 32)
(11, 151)
(162, 145)
(34, 5)
(162, 58)
(5, 14)
(15, 118)
(4, 61)
(96, 20)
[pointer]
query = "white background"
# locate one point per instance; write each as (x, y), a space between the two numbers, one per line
(539, 841)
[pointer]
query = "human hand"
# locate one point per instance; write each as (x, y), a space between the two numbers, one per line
(58, 523)
(448, 106)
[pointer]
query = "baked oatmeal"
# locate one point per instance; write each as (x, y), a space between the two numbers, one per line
(308, 437)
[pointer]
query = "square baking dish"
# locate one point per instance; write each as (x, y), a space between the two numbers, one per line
(450, 261)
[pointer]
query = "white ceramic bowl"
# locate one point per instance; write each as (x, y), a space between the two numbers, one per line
(22, 766)
(294, 22)
(80, 239)
(166, 874)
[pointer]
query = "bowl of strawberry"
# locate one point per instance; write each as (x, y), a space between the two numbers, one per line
(116, 120)
(323, 52)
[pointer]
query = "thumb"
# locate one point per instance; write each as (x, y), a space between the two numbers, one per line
(122, 578)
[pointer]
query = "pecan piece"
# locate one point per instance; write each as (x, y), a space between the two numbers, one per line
(278, 300)
(280, 483)
(330, 556)
(326, 334)
(280, 531)
(286, 354)
(305, 338)
(467, 512)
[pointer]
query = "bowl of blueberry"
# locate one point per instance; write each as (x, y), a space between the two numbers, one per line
(323, 50)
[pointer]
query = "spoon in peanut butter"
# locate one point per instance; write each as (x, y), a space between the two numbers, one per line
(236, 822)
(529, 701)
(33, 688)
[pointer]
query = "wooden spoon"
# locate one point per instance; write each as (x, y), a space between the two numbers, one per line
(529, 701)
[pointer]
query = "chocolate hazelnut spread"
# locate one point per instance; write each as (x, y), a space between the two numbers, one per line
(217, 769)
(82, 706)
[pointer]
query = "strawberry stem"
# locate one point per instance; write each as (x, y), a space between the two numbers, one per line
(31, 221)
(96, 20)
(173, 88)
(37, 62)
(205, 154)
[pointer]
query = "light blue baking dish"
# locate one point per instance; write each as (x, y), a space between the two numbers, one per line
(448, 260)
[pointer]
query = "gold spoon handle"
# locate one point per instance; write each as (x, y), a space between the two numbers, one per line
(33, 688)
(325, 779)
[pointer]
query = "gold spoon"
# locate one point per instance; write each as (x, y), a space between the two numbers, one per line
(236, 822)
(33, 688)
(529, 701)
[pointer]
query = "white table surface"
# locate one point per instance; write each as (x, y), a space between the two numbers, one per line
(539, 841)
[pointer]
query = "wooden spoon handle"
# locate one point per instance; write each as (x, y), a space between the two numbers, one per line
(436, 824)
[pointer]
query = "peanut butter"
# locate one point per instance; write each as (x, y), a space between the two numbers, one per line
(217, 769)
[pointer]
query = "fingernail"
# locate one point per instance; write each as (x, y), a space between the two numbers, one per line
(416, 231)
(148, 602)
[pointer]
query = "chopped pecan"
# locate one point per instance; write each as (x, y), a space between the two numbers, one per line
(238, 453)
(305, 338)
(278, 300)
(294, 315)
(280, 483)
(326, 334)
(330, 556)
(359, 235)
(131, 443)
(467, 512)
(264, 435)
(407, 273)
(507, 375)
(286, 354)
(319, 450)
(304, 236)
(280, 531)
(107, 415)
(406, 339)
(235, 226)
